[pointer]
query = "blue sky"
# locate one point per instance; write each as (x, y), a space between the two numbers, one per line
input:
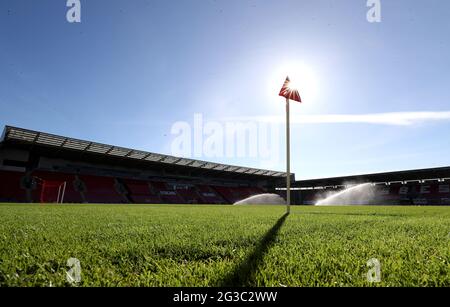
(131, 69)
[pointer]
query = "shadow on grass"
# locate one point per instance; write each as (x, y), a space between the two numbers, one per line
(243, 275)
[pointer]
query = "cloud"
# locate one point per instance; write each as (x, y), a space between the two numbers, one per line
(393, 118)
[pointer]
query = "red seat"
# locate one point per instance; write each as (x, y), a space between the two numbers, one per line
(140, 192)
(227, 193)
(100, 190)
(167, 194)
(189, 195)
(210, 196)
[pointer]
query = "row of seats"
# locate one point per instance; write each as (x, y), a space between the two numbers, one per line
(234, 194)
(168, 195)
(100, 190)
(141, 192)
(103, 189)
(210, 196)
(189, 194)
(435, 189)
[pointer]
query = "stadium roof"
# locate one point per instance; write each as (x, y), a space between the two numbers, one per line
(400, 176)
(30, 137)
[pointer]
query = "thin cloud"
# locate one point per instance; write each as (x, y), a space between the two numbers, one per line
(393, 118)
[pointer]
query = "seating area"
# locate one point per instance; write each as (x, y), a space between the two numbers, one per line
(428, 193)
(100, 190)
(234, 194)
(14, 187)
(110, 190)
(140, 193)
(209, 195)
(168, 194)
(189, 194)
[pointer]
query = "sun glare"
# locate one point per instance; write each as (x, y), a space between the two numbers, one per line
(302, 77)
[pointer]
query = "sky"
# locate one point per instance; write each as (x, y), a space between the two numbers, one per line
(376, 96)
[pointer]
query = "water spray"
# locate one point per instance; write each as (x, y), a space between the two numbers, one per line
(360, 194)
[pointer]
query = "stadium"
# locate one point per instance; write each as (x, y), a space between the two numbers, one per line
(246, 147)
(38, 167)
(136, 215)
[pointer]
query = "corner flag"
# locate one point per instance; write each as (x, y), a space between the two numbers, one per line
(289, 93)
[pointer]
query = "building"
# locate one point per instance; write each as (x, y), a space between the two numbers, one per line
(413, 187)
(41, 167)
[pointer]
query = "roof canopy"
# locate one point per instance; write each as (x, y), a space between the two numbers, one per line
(25, 136)
(400, 176)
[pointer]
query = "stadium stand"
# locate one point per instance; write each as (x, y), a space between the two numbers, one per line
(35, 165)
(167, 193)
(188, 194)
(415, 187)
(234, 194)
(101, 190)
(210, 196)
(140, 192)
(227, 193)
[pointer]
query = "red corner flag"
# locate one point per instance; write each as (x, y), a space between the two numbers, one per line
(290, 93)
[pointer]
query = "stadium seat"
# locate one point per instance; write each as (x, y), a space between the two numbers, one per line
(209, 195)
(190, 195)
(140, 192)
(168, 195)
(227, 193)
(101, 190)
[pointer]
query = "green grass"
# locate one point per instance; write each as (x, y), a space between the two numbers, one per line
(167, 245)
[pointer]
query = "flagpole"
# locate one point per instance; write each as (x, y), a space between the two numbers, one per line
(288, 160)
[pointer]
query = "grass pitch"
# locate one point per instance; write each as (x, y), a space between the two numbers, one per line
(188, 245)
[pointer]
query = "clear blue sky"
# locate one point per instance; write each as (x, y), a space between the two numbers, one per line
(131, 69)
